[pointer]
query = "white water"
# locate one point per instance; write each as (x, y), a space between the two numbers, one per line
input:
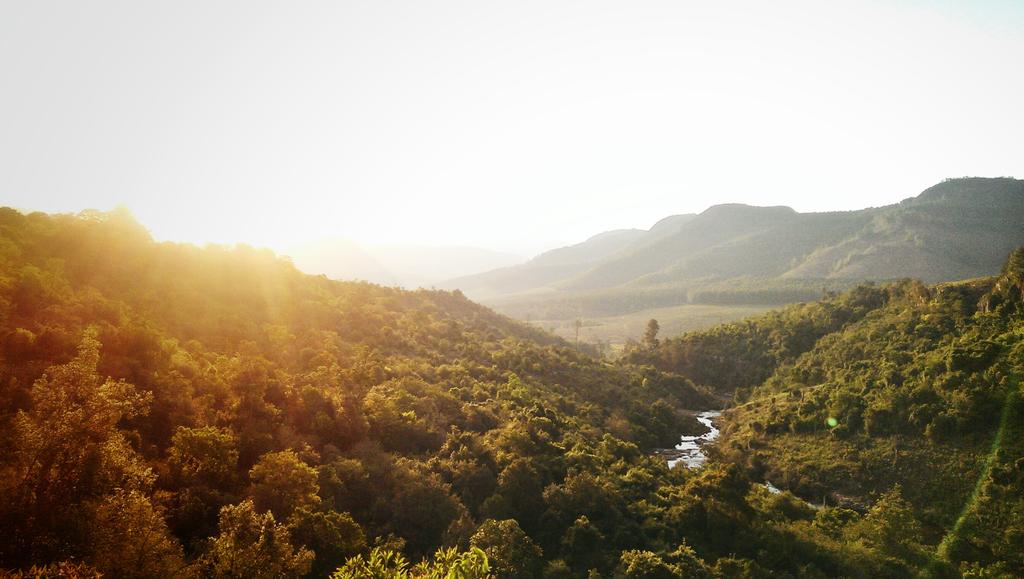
(690, 453)
(689, 447)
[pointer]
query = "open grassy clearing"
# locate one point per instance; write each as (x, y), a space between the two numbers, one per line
(674, 320)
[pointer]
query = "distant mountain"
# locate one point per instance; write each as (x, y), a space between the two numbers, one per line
(424, 266)
(557, 265)
(395, 265)
(960, 228)
(341, 259)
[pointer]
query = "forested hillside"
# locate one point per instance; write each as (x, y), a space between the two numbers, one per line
(905, 393)
(163, 400)
(181, 412)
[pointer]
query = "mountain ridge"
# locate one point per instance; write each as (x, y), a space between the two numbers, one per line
(959, 228)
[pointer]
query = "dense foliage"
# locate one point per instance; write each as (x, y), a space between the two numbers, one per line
(899, 387)
(176, 411)
(738, 356)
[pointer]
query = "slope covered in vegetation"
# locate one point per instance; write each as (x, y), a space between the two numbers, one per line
(204, 390)
(903, 389)
(175, 411)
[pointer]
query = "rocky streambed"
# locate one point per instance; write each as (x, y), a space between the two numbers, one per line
(689, 452)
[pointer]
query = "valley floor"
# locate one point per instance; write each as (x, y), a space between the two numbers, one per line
(674, 320)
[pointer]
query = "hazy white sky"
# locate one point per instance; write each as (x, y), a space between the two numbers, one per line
(515, 125)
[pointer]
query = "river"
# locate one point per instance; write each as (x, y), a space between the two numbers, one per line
(688, 452)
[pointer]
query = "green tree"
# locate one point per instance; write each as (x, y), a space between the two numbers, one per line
(252, 546)
(690, 566)
(68, 451)
(387, 564)
(203, 466)
(450, 563)
(645, 565)
(332, 536)
(129, 538)
(511, 551)
(890, 525)
(583, 544)
(833, 521)
(650, 340)
(380, 563)
(420, 507)
(281, 483)
(519, 496)
(205, 456)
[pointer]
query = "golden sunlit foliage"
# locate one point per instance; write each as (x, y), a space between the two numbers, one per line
(192, 395)
(176, 412)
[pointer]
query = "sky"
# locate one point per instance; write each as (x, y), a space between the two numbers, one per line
(512, 125)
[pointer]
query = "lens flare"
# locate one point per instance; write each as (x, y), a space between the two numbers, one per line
(942, 552)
